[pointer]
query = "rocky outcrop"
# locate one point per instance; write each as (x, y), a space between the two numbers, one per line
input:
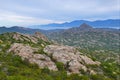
(69, 56)
(41, 36)
(33, 38)
(27, 53)
(73, 60)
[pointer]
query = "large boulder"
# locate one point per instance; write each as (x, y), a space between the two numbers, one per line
(69, 56)
(72, 59)
(27, 53)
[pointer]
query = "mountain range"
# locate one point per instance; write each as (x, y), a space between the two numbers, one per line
(103, 24)
(110, 23)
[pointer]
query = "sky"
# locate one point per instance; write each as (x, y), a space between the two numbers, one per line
(38, 12)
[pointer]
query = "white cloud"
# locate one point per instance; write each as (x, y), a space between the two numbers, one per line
(48, 11)
(23, 20)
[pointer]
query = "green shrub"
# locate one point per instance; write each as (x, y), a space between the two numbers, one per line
(77, 77)
(3, 76)
(18, 77)
(45, 70)
(12, 70)
(60, 66)
(97, 77)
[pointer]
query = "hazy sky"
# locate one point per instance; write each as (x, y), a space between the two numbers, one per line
(33, 12)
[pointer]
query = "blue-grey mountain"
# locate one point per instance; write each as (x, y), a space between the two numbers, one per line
(110, 23)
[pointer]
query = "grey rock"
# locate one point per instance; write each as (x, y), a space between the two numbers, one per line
(33, 38)
(27, 52)
(69, 56)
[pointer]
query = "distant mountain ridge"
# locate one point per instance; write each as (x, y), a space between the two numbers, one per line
(110, 23)
(19, 29)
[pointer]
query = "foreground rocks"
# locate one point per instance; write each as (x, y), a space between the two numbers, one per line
(27, 53)
(71, 57)
(73, 60)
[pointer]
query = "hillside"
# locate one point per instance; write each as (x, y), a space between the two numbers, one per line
(34, 57)
(87, 37)
(25, 30)
(94, 46)
(19, 29)
(101, 44)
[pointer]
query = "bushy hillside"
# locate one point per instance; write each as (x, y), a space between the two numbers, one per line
(99, 44)
(34, 57)
(19, 29)
(86, 37)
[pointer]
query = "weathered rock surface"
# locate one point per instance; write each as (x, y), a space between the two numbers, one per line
(27, 52)
(72, 59)
(69, 56)
(41, 36)
(33, 38)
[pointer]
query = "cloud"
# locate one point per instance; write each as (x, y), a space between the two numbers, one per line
(29, 12)
(24, 20)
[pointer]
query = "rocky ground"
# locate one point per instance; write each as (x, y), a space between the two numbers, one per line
(24, 55)
(69, 56)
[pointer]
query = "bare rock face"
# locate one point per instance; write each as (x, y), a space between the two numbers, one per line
(43, 61)
(27, 52)
(41, 36)
(26, 37)
(73, 60)
(88, 61)
(69, 56)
